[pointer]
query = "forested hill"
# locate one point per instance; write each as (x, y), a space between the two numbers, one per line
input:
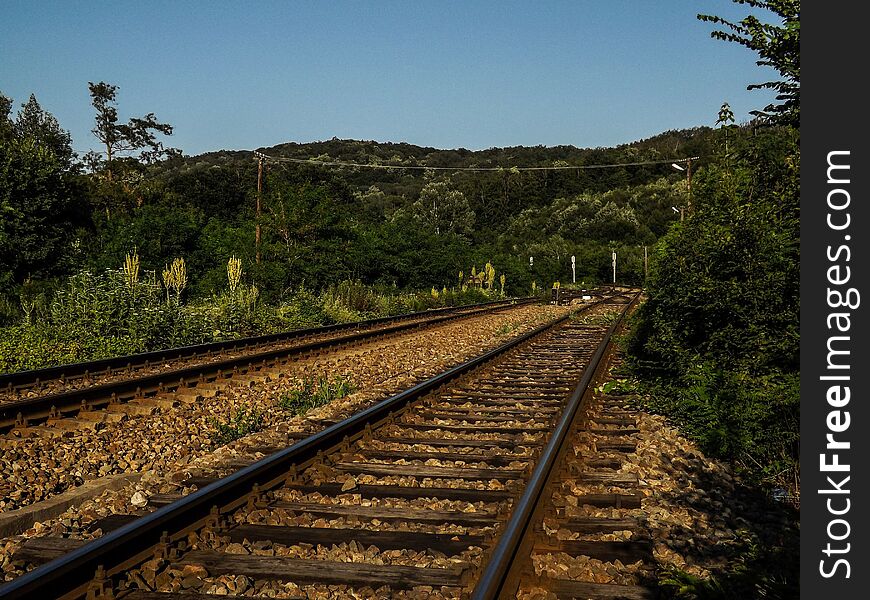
(672, 144)
(665, 144)
(495, 198)
(419, 227)
(322, 224)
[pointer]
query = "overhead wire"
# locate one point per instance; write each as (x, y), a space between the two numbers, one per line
(336, 163)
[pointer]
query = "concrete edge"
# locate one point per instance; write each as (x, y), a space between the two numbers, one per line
(21, 519)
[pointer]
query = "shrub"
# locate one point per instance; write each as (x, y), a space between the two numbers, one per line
(717, 341)
(98, 315)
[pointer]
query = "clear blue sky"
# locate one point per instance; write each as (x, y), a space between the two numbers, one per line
(238, 75)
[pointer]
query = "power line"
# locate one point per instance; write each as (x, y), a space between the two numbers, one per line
(336, 163)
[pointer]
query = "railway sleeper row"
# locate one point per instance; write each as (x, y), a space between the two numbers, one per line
(467, 451)
(592, 545)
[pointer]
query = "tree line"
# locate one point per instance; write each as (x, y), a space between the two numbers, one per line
(62, 213)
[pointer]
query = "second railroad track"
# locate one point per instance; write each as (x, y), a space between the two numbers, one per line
(141, 381)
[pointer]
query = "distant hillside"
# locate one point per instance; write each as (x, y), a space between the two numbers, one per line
(670, 144)
(495, 197)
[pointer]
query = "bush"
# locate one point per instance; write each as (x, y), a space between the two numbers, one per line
(301, 310)
(99, 315)
(91, 316)
(717, 343)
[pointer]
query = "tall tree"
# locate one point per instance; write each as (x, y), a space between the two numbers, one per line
(6, 127)
(778, 46)
(40, 204)
(139, 134)
(42, 127)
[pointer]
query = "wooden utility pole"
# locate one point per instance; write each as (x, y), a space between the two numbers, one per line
(689, 182)
(687, 208)
(259, 205)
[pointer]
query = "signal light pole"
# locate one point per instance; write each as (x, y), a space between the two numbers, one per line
(260, 159)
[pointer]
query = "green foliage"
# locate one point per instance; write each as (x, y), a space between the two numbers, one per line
(90, 316)
(315, 392)
(98, 315)
(301, 309)
(242, 422)
(40, 126)
(757, 570)
(323, 228)
(41, 207)
(718, 339)
(506, 328)
(778, 46)
(95, 316)
(443, 209)
(240, 314)
(619, 387)
(137, 135)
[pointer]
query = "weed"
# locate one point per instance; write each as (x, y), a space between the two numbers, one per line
(619, 387)
(756, 571)
(315, 392)
(240, 424)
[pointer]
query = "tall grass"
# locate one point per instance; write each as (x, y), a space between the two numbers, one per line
(100, 315)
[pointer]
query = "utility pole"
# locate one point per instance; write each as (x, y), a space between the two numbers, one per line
(689, 182)
(688, 170)
(259, 204)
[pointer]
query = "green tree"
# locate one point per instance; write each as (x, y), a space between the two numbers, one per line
(725, 121)
(720, 330)
(40, 207)
(36, 124)
(305, 235)
(6, 126)
(372, 204)
(443, 209)
(778, 46)
(139, 134)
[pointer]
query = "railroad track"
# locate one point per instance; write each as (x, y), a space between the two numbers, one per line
(577, 534)
(17, 385)
(423, 492)
(568, 544)
(144, 385)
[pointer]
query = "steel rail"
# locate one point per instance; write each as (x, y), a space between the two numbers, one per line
(69, 575)
(498, 569)
(71, 401)
(22, 379)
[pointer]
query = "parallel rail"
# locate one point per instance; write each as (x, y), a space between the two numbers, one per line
(497, 577)
(155, 534)
(25, 379)
(22, 412)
